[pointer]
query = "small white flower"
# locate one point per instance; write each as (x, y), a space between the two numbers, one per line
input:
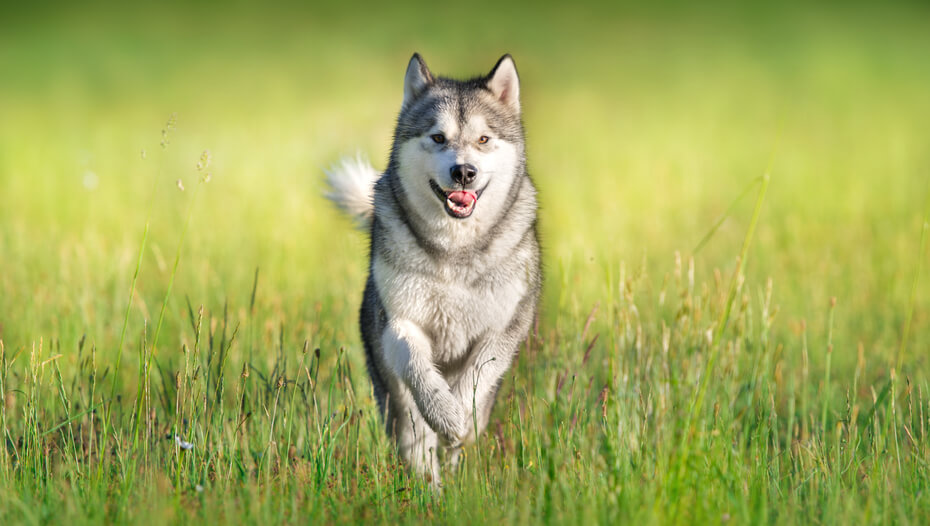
(183, 444)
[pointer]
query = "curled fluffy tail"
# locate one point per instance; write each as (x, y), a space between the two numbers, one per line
(352, 188)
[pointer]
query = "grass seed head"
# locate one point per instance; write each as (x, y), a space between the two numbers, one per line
(205, 159)
(166, 131)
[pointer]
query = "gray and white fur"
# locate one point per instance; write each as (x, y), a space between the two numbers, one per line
(454, 277)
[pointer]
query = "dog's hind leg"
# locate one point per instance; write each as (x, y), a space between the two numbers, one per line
(416, 441)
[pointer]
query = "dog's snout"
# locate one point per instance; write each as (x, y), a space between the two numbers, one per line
(464, 173)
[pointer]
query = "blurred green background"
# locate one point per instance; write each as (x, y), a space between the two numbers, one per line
(643, 124)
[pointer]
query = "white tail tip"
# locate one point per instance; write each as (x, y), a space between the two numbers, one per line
(352, 188)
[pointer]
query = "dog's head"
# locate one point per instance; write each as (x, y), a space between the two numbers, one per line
(459, 146)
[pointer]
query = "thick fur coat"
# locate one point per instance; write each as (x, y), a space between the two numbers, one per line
(455, 274)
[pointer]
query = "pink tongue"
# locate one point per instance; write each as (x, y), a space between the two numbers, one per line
(462, 198)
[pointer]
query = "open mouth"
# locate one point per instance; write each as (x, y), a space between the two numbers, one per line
(458, 203)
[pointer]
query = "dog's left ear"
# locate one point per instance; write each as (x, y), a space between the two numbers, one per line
(504, 82)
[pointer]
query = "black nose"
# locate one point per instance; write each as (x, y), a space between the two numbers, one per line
(464, 173)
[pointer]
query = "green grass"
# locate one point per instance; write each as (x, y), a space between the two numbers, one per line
(775, 371)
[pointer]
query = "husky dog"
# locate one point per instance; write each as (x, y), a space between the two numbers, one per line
(454, 277)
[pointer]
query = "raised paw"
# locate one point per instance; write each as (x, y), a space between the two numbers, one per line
(447, 417)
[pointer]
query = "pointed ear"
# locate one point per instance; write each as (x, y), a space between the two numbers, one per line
(504, 82)
(417, 79)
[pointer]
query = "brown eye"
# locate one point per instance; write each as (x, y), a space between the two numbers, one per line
(483, 139)
(438, 138)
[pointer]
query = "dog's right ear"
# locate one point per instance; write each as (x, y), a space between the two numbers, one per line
(417, 79)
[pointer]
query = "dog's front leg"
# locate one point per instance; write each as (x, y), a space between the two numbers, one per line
(407, 350)
(476, 387)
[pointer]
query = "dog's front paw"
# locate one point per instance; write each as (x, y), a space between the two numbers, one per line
(448, 418)
(455, 438)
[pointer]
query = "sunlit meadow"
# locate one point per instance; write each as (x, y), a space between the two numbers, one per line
(734, 206)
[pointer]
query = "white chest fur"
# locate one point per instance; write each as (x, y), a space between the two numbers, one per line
(451, 303)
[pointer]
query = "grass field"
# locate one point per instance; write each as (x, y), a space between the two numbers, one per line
(178, 330)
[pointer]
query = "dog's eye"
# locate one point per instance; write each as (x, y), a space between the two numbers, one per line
(438, 138)
(483, 139)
